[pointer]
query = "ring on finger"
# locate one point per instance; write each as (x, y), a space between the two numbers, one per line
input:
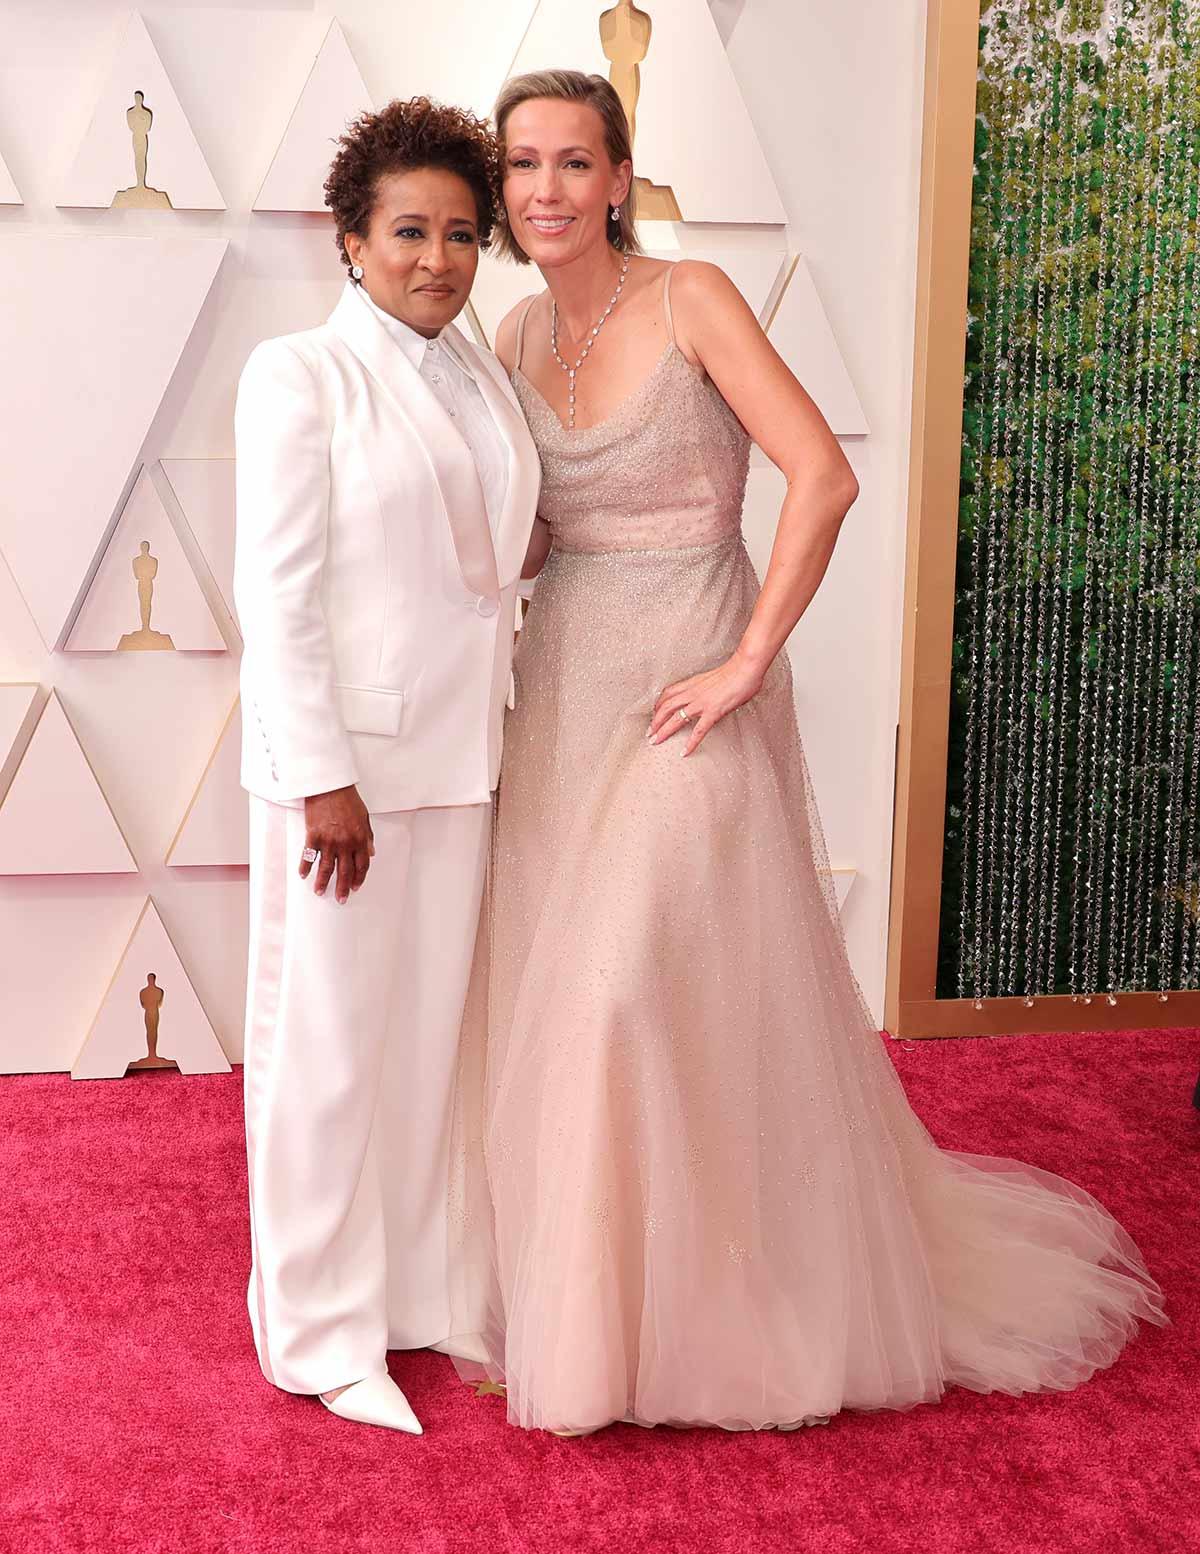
(684, 715)
(310, 855)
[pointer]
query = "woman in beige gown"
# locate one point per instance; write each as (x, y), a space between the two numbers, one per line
(702, 1192)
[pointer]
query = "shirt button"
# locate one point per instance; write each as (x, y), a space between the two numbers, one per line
(486, 606)
(450, 412)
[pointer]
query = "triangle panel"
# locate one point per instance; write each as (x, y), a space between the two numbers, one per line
(216, 828)
(139, 150)
(333, 94)
(801, 334)
(17, 721)
(144, 595)
(133, 303)
(9, 193)
(149, 1012)
(753, 271)
(204, 489)
(54, 818)
(694, 139)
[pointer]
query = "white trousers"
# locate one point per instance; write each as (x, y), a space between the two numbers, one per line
(352, 1030)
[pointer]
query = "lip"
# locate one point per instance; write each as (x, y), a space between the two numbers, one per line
(437, 291)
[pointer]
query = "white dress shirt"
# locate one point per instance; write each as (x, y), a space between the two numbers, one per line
(454, 387)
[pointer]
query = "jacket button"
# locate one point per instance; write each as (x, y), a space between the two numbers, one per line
(486, 606)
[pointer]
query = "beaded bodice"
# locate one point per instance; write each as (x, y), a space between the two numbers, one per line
(666, 470)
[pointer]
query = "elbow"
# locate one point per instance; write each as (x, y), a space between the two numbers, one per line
(836, 492)
(830, 486)
(845, 488)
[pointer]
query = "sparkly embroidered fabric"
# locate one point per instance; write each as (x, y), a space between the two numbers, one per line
(689, 1173)
(610, 487)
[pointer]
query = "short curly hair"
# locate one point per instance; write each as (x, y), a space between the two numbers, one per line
(402, 138)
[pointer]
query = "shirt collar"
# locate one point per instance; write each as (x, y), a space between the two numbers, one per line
(415, 346)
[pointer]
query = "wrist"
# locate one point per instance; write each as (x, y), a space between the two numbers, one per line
(753, 660)
(329, 793)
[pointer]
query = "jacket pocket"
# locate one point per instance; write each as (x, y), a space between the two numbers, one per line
(366, 709)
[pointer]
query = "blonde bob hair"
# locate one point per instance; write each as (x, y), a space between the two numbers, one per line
(569, 86)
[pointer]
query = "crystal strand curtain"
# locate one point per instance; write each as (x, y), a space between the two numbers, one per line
(1072, 836)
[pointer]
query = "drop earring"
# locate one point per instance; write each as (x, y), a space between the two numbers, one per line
(614, 214)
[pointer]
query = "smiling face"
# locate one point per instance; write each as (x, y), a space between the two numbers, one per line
(421, 249)
(559, 182)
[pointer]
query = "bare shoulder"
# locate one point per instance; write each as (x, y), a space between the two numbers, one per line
(506, 334)
(699, 284)
(707, 309)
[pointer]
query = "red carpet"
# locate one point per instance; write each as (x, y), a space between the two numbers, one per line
(134, 1417)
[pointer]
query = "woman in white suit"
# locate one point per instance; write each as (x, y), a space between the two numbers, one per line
(386, 490)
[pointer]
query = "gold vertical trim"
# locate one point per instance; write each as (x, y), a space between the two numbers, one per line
(943, 254)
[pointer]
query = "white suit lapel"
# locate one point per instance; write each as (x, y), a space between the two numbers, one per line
(450, 462)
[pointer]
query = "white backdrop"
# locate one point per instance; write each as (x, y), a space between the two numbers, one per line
(833, 95)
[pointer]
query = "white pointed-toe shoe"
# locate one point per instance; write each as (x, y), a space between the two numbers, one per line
(376, 1400)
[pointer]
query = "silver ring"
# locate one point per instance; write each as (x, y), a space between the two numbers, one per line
(310, 855)
(684, 715)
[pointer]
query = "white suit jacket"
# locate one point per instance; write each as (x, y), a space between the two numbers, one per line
(375, 601)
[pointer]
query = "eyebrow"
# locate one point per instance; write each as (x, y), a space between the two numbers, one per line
(563, 152)
(412, 215)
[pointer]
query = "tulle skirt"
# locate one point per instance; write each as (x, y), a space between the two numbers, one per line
(689, 1180)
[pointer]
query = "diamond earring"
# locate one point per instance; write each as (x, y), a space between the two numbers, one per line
(615, 214)
(356, 271)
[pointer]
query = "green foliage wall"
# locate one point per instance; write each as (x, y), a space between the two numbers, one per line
(1071, 850)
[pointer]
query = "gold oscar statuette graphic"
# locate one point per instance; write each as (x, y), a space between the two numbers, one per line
(151, 999)
(140, 196)
(145, 568)
(625, 37)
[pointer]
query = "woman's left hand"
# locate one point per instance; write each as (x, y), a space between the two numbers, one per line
(704, 700)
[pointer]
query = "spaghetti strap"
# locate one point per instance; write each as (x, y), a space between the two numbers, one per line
(529, 301)
(667, 302)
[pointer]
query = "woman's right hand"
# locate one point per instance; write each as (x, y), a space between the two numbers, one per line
(338, 828)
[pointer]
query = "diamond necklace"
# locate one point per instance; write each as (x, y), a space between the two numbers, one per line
(599, 324)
